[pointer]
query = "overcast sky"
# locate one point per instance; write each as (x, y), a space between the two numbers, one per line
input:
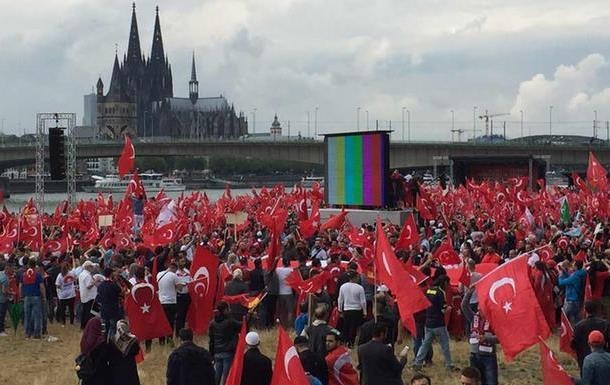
(291, 56)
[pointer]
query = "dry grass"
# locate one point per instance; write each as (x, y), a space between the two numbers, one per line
(34, 362)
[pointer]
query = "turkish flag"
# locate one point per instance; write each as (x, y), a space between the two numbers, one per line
(403, 285)
(202, 289)
(301, 206)
(8, 237)
(135, 186)
(552, 372)
(59, 245)
(508, 301)
(446, 255)
(127, 159)
(596, 173)
(288, 369)
(545, 253)
(567, 332)
(334, 222)
(309, 226)
(408, 234)
(423, 209)
(162, 236)
(31, 234)
(237, 367)
(145, 313)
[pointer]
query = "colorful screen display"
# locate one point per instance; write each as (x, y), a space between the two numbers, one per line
(357, 168)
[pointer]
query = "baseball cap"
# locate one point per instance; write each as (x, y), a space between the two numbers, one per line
(252, 339)
(382, 289)
(596, 338)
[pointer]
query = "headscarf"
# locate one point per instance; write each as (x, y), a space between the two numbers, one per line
(123, 339)
(92, 337)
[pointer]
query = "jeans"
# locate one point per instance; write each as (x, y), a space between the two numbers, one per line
(572, 310)
(32, 308)
(3, 310)
(170, 313)
(222, 364)
(443, 338)
(352, 319)
(418, 340)
(487, 365)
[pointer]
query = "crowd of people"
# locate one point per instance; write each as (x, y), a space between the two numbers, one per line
(346, 330)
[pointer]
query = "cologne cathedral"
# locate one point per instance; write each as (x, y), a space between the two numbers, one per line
(140, 99)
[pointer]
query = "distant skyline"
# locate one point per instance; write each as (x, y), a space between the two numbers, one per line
(427, 57)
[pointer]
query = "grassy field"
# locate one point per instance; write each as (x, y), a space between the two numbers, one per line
(36, 362)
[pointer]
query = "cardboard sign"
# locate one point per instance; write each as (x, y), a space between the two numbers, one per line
(104, 220)
(236, 218)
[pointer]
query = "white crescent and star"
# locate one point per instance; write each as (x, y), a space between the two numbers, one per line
(202, 272)
(496, 285)
(145, 307)
(289, 355)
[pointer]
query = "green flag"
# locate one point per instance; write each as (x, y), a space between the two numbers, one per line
(15, 310)
(565, 211)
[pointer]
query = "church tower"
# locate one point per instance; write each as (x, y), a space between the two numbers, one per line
(276, 128)
(193, 84)
(159, 69)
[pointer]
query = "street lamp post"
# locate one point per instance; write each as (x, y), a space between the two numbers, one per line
(308, 131)
(358, 118)
(409, 125)
(452, 123)
(595, 124)
(550, 120)
(403, 123)
(315, 123)
(254, 121)
(474, 122)
(367, 120)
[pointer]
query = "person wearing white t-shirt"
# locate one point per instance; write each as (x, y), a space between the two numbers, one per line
(88, 292)
(169, 283)
(66, 293)
(183, 299)
(285, 300)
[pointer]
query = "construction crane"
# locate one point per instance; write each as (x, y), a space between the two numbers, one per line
(487, 118)
(459, 131)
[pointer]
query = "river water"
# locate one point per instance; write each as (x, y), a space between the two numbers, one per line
(16, 201)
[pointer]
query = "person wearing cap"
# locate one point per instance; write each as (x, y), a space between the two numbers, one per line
(189, 364)
(313, 363)
(87, 291)
(596, 366)
(257, 367)
(592, 322)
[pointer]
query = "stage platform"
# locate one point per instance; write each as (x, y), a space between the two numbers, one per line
(359, 216)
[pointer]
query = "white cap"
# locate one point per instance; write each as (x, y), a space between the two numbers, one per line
(88, 264)
(383, 289)
(252, 339)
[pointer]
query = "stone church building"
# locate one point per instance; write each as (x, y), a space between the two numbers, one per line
(140, 99)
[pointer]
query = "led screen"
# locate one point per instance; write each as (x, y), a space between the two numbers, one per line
(357, 168)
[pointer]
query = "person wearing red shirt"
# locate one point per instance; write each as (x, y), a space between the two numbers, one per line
(339, 361)
(491, 256)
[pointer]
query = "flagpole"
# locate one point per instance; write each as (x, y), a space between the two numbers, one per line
(375, 294)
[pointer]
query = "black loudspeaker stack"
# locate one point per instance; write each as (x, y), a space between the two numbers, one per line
(57, 156)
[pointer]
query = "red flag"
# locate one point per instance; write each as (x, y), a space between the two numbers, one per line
(408, 234)
(423, 209)
(145, 313)
(578, 182)
(390, 271)
(567, 332)
(127, 159)
(135, 186)
(237, 367)
(545, 253)
(301, 207)
(446, 255)
(288, 369)
(517, 319)
(552, 372)
(334, 222)
(580, 256)
(309, 226)
(596, 173)
(202, 289)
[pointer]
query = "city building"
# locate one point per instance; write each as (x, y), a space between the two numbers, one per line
(140, 99)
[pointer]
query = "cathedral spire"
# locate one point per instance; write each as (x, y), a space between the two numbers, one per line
(134, 54)
(116, 89)
(193, 72)
(193, 84)
(157, 54)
